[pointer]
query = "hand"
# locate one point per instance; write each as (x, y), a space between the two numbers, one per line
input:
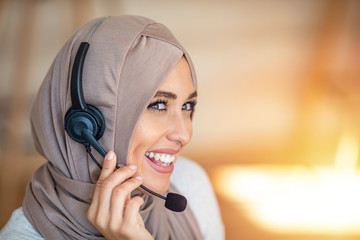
(112, 211)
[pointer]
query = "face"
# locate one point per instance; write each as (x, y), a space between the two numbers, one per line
(164, 129)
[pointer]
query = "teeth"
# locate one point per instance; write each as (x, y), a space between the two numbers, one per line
(163, 164)
(165, 159)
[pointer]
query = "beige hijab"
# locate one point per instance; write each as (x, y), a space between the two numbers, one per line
(128, 59)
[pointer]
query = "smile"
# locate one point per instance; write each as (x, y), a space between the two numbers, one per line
(162, 159)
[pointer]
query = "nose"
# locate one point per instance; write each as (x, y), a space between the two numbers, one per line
(180, 128)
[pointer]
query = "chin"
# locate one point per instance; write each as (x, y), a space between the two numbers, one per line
(158, 184)
(156, 177)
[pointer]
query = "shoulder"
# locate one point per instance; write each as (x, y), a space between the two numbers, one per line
(187, 170)
(18, 227)
(191, 180)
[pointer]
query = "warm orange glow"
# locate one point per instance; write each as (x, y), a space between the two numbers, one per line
(347, 153)
(294, 199)
(297, 199)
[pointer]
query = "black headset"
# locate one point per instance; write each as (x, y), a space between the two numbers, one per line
(85, 124)
(82, 116)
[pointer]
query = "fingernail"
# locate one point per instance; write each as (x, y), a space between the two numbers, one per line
(133, 167)
(109, 155)
(139, 178)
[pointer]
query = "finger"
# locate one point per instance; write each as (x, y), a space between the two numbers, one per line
(120, 198)
(108, 167)
(132, 210)
(107, 186)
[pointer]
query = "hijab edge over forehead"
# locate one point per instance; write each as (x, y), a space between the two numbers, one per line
(167, 36)
(156, 39)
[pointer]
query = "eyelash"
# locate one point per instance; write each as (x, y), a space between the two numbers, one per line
(192, 104)
(155, 105)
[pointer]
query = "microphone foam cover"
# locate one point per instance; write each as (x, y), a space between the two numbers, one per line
(175, 202)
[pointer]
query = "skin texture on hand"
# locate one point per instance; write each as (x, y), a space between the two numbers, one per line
(112, 211)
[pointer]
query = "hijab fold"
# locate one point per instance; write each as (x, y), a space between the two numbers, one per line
(128, 59)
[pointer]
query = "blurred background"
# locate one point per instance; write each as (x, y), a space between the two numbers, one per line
(277, 124)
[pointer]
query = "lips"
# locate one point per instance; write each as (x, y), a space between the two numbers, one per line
(161, 161)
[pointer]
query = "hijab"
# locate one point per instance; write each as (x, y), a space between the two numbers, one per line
(128, 59)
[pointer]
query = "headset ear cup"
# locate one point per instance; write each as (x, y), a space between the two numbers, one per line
(99, 120)
(89, 118)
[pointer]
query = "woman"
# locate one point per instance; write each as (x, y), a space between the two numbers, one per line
(143, 82)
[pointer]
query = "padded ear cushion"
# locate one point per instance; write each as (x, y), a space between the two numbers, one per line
(99, 120)
(89, 118)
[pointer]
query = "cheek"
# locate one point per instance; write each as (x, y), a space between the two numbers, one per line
(145, 135)
(189, 127)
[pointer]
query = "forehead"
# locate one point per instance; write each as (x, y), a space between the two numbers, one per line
(179, 80)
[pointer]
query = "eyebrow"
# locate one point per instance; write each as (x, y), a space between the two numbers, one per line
(192, 95)
(171, 95)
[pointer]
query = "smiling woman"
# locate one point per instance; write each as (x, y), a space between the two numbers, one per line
(164, 129)
(140, 80)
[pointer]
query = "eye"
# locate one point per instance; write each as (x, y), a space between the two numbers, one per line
(159, 105)
(189, 106)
